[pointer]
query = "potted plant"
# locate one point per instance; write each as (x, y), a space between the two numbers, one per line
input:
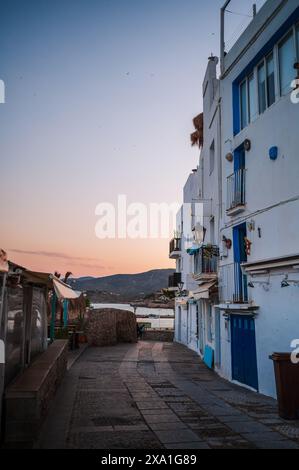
(80, 327)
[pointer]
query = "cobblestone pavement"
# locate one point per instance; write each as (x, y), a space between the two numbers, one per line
(158, 395)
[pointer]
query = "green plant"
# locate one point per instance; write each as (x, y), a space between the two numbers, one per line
(81, 323)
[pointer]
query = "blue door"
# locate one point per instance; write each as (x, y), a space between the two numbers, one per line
(240, 256)
(243, 344)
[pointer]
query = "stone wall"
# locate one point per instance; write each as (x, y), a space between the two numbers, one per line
(110, 326)
(158, 335)
(28, 398)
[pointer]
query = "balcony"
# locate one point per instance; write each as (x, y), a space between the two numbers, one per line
(236, 192)
(174, 281)
(175, 248)
(206, 263)
(232, 284)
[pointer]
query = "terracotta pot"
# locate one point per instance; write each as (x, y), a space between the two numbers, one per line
(82, 338)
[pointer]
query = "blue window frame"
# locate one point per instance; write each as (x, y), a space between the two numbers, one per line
(270, 79)
(287, 58)
(262, 87)
(243, 101)
(252, 108)
(276, 73)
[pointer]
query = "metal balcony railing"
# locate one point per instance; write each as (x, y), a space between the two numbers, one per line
(236, 189)
(206, 260)
(232, 284)
(175, 245)
(174, 280)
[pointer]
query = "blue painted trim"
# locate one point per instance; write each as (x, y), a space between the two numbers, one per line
(65, 313)
(236, 108)
(238, 234)
(239, 158)
(236, 242)
(254, 62)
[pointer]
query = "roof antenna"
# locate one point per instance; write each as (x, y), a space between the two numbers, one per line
(254, 10)
(222, 35)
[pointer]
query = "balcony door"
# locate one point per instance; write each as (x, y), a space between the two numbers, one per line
(239, 159)
(240, 256)
(239, 169)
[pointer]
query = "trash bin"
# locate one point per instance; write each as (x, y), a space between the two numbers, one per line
(287, 385)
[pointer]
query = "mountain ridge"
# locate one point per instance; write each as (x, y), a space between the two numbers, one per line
(125, 285)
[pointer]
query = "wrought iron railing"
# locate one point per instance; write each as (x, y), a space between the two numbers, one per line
(174, 245)
(236, 189)
(206, 260)
(232, 284)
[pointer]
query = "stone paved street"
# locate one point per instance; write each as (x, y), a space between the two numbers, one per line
(158, 395)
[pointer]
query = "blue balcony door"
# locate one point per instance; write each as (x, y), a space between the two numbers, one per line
(240, 256)
(243, 349)
(239, 165)
(239, 159)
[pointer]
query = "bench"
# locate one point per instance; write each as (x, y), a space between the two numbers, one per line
(28, 397)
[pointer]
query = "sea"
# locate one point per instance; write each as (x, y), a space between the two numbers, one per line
(150, 316)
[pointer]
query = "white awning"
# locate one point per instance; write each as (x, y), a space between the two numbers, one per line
(204, 291)
(63, 291)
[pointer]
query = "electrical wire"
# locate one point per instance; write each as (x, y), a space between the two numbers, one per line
(239, 29)
(239, 14)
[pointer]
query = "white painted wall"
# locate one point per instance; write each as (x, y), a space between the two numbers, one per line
(269, 184)
(204, 189)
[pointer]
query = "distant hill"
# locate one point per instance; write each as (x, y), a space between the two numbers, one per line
(126, 286)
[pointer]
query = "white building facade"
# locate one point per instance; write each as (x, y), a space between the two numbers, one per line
(197, 318)
(249, 167)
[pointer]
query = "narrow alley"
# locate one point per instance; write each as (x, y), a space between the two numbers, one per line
(158, 396)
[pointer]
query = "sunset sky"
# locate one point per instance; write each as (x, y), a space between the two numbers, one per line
(100, 96)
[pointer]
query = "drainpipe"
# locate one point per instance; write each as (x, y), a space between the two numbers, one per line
(222, 34)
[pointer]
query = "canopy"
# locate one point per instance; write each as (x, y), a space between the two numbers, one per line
(204, 291)
(192, 251)
(63, 291)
